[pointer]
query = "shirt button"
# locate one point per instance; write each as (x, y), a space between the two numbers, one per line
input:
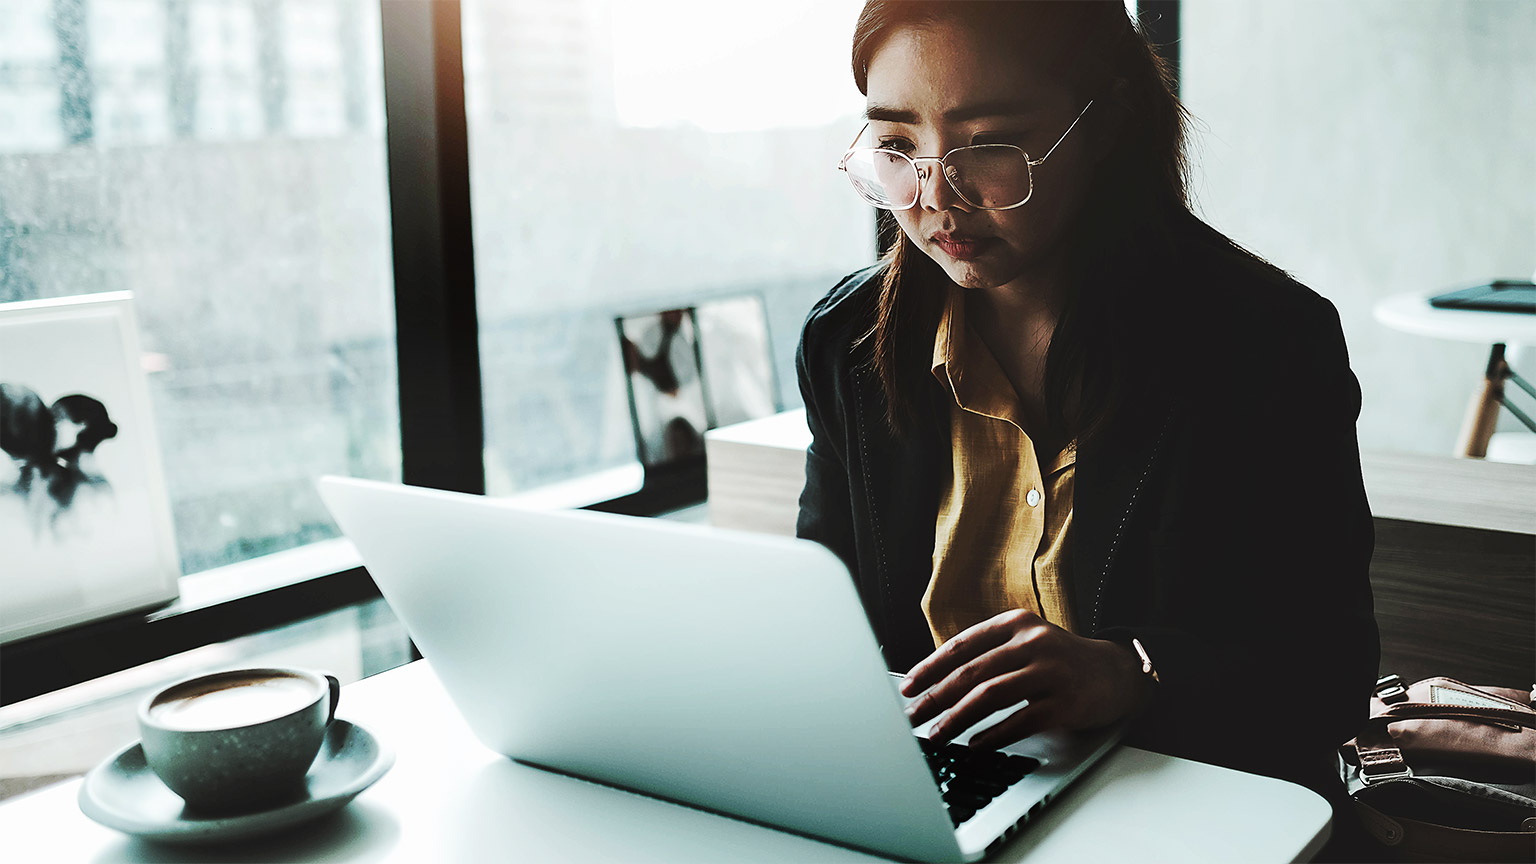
(1032, 498)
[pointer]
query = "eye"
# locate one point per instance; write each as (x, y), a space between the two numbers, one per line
(900, 145)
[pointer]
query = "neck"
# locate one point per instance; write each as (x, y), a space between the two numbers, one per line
(1023, 311)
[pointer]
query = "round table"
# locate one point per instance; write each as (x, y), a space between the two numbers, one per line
(1411, 313)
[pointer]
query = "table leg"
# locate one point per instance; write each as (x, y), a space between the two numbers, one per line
(1483, 412)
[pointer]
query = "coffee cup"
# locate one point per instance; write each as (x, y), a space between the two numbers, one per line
(239, 740)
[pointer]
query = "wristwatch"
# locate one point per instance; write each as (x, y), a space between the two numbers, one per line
(1146, 660)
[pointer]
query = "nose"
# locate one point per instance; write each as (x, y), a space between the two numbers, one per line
(934, 191)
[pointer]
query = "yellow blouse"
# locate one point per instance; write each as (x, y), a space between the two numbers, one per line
(1000, 539)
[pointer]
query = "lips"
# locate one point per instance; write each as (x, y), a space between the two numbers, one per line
(961, 246)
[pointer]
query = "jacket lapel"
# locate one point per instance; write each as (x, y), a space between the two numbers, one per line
(902, 480)
(1111, 476)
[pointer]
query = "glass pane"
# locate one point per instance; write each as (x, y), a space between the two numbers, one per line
(223, 160)
(882, 177)
(623, 165)
(991, 176)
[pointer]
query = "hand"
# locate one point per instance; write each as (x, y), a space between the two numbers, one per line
(1071, 682)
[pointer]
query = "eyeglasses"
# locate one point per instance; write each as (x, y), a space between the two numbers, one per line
(985, 176)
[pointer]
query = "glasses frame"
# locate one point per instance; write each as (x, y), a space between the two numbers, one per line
(917, 188)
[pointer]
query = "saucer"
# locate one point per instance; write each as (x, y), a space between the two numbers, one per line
(123, 793)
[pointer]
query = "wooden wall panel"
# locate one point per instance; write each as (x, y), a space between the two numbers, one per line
(1459, 602)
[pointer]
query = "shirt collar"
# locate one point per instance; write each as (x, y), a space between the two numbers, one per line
(964, 364)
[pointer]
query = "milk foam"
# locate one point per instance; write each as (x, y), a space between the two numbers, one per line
(237, 702)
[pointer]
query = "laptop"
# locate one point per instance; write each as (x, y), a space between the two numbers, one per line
(730, 671)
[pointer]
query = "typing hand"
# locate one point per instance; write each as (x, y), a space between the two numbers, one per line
(1070, 682)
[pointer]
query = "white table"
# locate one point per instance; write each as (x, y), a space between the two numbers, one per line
(1411, 313)
(449, 799)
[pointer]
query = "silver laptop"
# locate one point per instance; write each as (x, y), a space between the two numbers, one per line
(734, 672)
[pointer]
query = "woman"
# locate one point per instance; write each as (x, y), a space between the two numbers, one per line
(1077, 447)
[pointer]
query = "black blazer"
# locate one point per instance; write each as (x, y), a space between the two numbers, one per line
(1223, 523)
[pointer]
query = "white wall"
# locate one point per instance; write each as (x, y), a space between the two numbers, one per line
(1373, 147)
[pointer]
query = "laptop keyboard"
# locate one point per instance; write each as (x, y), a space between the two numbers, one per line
(969, 779)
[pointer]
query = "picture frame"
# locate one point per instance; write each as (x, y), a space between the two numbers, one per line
(85, 519)
(668, 408)
(736, 359)
(689, 369)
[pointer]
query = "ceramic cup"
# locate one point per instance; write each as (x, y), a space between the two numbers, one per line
(238, 740)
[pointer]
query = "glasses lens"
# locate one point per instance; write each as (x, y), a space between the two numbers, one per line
(884, 178)
(990, 175)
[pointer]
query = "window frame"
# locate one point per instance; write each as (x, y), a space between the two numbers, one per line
(442, 429)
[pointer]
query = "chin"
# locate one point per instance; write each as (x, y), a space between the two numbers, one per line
(973, 275)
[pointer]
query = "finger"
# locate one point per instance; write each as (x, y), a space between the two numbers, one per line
(961, 649)
(942, 696)
(1034, 718)
(979, 673)
(997, 694)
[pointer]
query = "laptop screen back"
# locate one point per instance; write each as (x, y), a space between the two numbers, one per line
(728, 670)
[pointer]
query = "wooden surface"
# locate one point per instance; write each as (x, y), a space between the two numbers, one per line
(1440, 490)
(756, 472)
(1483, 413)
(1456, 602)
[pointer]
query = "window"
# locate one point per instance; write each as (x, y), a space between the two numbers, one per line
(624, 164)
(225, 161)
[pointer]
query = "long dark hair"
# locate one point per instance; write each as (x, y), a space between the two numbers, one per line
(1136, 210)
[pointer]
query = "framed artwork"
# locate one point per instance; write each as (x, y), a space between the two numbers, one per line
(695, 368)
(85, 522)
(737, 359)
(666, 389)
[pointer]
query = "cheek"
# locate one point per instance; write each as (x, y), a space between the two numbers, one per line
(1037, 227)
(1022, 229)
(1058, 196)
(908, 221)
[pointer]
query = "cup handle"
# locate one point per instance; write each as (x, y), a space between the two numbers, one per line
(335, 697)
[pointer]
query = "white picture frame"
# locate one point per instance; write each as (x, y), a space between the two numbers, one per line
(736, 359)
(85, 519)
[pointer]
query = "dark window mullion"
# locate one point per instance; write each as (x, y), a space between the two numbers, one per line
(442, 431)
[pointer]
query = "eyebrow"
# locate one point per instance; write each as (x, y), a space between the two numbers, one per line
(972, 111)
